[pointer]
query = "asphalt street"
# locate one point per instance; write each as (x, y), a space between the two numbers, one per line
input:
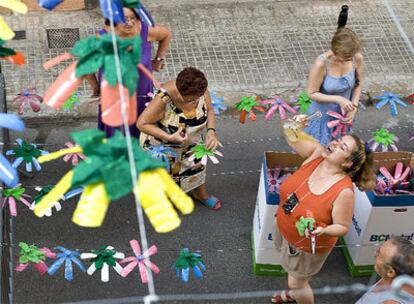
(243, 46)
(223, 237)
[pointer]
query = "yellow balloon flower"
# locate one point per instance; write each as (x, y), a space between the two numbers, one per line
(106, 158)
(14, 5)
(155, 189)
(5, 31)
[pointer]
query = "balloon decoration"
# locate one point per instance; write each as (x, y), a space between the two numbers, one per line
(303, 102)
(162, 153)
(16, 6)
(67, 257)
(49, 4)
(201, 152)
(41, 193)
(339, 126)
(107, 158)
(384, 140)
(217, 103)
(277, 104)
(13, 195)
(11, 55)
(96, 53)
(140, 260)
(393, 100)
(30, 254)
(27, 153)
(28, 97)
(189, 260)
(246, 106)
(8, 174)
(72, 102)
(75, 157)
(102, 259)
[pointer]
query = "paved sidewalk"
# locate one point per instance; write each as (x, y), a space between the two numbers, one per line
(260, 46)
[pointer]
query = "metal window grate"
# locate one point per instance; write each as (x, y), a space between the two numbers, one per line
(20, 35)
(62, 38)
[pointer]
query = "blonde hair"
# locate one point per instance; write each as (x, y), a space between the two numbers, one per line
(362, 169)
(345, 43)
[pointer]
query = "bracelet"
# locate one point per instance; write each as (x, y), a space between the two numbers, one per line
(212, 129)
(158, 59)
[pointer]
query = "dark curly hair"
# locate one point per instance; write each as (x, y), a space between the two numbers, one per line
(191, 82)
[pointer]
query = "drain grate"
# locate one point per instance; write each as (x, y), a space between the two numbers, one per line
(62, 38)
(20, 35)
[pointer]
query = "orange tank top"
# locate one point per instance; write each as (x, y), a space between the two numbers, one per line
(320, 205)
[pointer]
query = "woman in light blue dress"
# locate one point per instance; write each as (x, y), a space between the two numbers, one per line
(335, 83)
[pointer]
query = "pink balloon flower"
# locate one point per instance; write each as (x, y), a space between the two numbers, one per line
(28, 97)
(277, 103)
(340, 127)
(141, 259)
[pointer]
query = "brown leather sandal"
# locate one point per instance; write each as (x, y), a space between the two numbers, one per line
(282, 297)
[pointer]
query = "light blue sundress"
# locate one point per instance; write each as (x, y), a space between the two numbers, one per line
(331, 85)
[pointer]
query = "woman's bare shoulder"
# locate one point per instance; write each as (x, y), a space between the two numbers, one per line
(169, 86)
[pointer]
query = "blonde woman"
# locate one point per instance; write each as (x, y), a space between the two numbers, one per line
(335, 83)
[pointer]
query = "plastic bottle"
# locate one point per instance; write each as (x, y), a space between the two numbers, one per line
(294, 129)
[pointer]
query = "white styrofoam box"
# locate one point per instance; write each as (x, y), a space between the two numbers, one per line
(372, 225)
(263, 226)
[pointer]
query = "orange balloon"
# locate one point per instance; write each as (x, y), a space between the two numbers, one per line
(62, 88)
(18, 59)
(111, 105)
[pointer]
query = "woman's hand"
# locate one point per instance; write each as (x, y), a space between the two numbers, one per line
(302, 119)
(178, 137)
(211, 140)
(318, 231)
(350, 116)
(346, 104)
(157, 65)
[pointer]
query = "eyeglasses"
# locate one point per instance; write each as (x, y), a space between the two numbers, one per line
(290, 204)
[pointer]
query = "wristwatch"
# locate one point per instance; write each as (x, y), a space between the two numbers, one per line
(158, 59)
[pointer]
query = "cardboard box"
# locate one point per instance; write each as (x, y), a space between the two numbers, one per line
(266, 259)
(377, 217)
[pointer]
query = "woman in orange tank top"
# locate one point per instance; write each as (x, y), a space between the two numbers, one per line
(321, 189)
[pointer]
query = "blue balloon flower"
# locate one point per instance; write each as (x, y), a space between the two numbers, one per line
(186, 261)
(218, 103)
(67, 257)
(393, 100)
(161, 153)
(8, 174)
(27, 153)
